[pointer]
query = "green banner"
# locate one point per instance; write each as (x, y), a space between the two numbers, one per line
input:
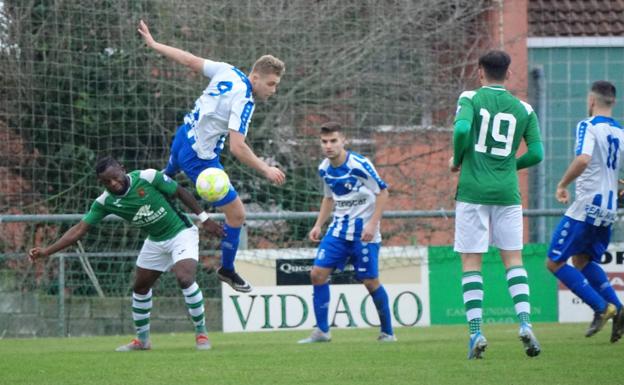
(445, 289)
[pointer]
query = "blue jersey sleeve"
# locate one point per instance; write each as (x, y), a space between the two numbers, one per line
(240, 115)
(585, 139)
(373, 181)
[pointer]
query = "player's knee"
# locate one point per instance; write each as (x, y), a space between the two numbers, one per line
(141, 288)
(185, 280)
(235, 218)
(317, 277)
(553, 266)
(580, 261)
(371, 284)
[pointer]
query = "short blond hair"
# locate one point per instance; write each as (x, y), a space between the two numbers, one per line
(269, 64)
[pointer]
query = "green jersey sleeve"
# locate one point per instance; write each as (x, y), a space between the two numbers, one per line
(535, 148)
(465, 108)
(96, 213)
(461, 140)
(463, 122)
(160, 181)
(532, 133)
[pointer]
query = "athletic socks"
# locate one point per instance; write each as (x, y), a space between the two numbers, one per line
(141, 308)
(380, 298)
(600, 283)
(518, 284)
(229, 246)
(321, 306)
(472, 286)
(576, 282)
(195, 304)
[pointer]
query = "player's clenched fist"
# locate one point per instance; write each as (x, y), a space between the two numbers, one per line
(315, 234)
(36, 252)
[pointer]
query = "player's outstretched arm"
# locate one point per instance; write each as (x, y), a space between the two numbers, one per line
(371, 227)
(327, 205)
(576, 168)
(183, 57)
(190, 202)
(69, 238)
(242, 152)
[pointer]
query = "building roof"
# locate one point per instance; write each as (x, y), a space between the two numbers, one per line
(576, 18)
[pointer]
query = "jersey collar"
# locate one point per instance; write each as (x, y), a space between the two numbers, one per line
(604, 119)
(343, 163)
(497, 87)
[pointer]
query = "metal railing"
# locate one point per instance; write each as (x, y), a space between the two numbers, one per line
(441, 213)
(62, 256)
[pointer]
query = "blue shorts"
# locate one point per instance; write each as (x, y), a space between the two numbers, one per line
(183, 158)
(572, 237)
(335, 253)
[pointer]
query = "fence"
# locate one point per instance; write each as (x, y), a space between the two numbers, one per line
(91, 289)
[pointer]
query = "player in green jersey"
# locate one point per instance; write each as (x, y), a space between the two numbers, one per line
(142, 198)
(490, 123)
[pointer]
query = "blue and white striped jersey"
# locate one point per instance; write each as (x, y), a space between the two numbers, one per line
(596, 188)
(353, 186)
(226, 104)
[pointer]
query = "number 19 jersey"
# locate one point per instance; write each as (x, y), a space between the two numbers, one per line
(499, 121)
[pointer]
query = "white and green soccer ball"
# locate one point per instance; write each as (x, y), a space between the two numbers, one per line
(212, 184)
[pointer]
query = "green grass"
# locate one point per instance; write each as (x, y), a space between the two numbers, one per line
(434, 355)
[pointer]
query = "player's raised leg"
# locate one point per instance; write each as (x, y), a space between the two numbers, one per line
(569, 237)
(471, 241)
(577, 283)
(518, 285)
(472, 287)
(177, 145)
(599, 281)
(234, 220)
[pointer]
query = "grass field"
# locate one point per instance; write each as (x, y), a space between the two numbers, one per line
(434, 355)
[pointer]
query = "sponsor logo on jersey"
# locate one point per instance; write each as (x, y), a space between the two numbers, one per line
(145, 215)
(351, 203)
(144, 212)
(596, 212)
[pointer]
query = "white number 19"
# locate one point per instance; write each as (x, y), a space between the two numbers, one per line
(496, 134)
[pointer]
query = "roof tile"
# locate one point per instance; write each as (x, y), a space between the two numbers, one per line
(576, 17)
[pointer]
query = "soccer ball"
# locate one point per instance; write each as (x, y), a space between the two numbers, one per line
(212, 184)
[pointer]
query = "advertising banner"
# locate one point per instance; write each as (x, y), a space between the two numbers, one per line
(447, 305)
(293, 271)
(290, 307)
(282, 294)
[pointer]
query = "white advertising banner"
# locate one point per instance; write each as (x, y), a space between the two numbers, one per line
(572, 308)
(290, 307)
(282, 293)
